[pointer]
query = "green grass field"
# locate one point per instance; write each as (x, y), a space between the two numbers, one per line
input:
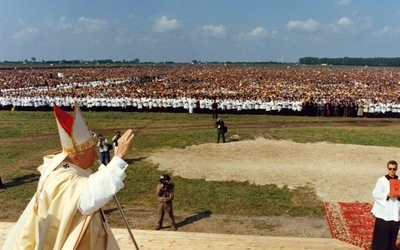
(27, 136)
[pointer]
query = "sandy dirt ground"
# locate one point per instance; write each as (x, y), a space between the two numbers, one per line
(338, 172)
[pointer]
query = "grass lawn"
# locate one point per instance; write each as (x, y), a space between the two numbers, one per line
(27, 136)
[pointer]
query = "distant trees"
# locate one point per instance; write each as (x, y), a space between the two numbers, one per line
(340, 61)
(352, 61)
(103, 61)
(74, 61)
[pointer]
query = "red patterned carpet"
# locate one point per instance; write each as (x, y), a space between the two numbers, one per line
(351, 222)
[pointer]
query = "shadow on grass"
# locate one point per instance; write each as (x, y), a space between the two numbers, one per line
(35, 177)
(131, 161)
(22, 180)
(194, 218)
(109, 211)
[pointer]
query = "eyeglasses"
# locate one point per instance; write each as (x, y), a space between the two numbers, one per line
(395, 169)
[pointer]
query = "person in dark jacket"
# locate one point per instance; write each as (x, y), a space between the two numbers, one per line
(214, 107)
(220, 125)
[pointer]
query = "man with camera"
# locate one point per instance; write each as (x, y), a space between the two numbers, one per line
(115, 141)
(165, 195)
(221, 129)
(104, 148)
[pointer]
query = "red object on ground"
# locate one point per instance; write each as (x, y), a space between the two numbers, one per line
(351, 222)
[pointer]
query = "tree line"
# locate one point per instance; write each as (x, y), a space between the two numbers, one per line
(352, 61)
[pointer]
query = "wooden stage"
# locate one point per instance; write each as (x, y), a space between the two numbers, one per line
(158, 240)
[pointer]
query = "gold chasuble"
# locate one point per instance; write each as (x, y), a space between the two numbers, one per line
(58, 224)
(52, 220)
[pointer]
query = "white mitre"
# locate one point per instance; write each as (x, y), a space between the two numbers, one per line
(75, 137)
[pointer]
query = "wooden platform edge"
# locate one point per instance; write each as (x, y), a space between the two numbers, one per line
(151, 239)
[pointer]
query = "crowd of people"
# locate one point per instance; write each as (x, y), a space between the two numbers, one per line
(273, 90)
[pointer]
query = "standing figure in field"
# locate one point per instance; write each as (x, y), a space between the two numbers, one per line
(220, 125)
(165, 196)
(386, 211)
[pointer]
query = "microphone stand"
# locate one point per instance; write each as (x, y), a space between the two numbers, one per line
(123, 215)
(125, 220)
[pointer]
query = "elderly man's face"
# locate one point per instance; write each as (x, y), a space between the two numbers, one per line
(86, 158)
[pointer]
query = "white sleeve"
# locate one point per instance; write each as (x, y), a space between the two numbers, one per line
(381, 191)
(102, 186)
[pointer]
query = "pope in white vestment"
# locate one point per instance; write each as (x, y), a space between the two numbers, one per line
(65, 212)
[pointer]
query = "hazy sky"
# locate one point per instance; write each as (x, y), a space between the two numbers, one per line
(202, 30)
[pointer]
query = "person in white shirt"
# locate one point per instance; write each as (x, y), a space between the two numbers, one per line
(386, 210)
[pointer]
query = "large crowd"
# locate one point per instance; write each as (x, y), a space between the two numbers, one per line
(274, 90)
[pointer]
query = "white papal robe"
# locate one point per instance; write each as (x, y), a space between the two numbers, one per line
(69, 214)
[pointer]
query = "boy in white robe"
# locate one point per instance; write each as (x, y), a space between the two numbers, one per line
(386, 210)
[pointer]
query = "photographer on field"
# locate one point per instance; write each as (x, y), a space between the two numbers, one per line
(104, 148)
(165, 196)
(221, 129)
(115, 141)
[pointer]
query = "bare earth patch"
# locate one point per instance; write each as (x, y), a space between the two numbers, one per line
(338, 172)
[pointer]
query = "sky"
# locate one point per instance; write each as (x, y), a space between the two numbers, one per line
(201, 30)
